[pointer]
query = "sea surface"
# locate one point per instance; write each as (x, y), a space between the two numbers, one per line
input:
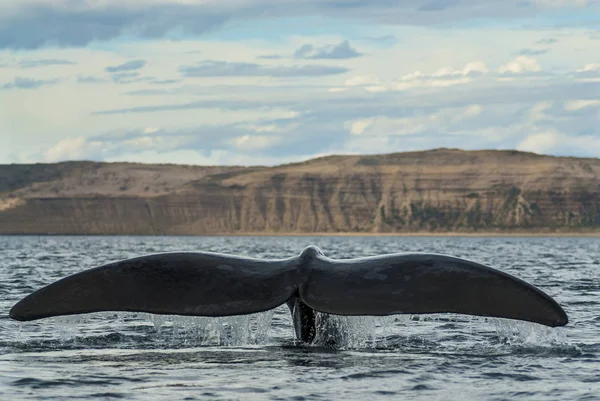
(437, 357)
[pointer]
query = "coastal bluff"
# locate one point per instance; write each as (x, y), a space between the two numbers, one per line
(435, 191)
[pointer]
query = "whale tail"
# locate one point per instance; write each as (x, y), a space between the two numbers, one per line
(195, 284)
(210, 284)
(425, 283)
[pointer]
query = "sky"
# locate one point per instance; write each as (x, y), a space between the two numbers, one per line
(266, 82)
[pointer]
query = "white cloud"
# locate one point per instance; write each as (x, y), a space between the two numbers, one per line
(467, 113)
(358, 127)
(476, 67)
(365, 144)
(147, 143)
(74, 149)
(443, 77)
(564, 3)
(434, 83)
(361, 80)
(389, 127)
(589, 68)
(254, 142)
(537, 111)
(376, 88)
(260, 128)
(539, 143)
(445, 121)
(554, 142)
(574, 105)
(520, 65)
(288, 115)
(589, 73)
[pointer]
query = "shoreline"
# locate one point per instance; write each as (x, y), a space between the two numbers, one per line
(487, 234)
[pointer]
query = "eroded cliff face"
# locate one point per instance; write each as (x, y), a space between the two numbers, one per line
(442, 190)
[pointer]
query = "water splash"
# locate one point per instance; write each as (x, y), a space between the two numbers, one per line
(352, 332)
(67, 327)
(125, 329)
(429, 333)
(514, 332)
(223, 331)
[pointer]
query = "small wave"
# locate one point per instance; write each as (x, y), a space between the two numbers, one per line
(35, 383)
(513, 376)
(421, 387)
(106, 395)
(376, 374)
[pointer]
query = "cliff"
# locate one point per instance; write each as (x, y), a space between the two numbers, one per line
(442, 190)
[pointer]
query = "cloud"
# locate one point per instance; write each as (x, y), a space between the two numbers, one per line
(588, 71)
(27, 83)
(451, 119)
(380, 39)
(37, 23)
(520, 65)
(201, 104)
(468, 112)
(574, 105)
(75, 24)
(557, 143)
(538, 111)
(532, 52)
(128, 77)
(362, 80)
(229, 69)
(475, 68)
(164, 81)
(128, 66)
(398, 96)
(436, 5)
(204, 140)
(270, 57)
(538, 143)
(74, 149)
(44, 63)
(547, 41)
(358, 127)
(357, 102)
(355, 122)
(89, 79)
(342, 50)
(254, 142)
(36, 63)
(443, 77)
(562, 3)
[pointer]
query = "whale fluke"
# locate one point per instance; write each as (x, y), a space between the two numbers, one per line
(212, 284)
(425, 283)
(196, 284)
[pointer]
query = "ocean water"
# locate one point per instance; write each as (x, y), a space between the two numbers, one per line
(147, 357)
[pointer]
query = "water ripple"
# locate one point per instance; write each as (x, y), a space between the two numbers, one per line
(145, 357)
